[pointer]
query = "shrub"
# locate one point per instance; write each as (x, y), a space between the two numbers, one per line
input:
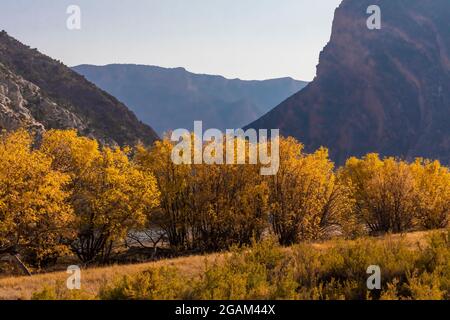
(267, 271)
(306, 199)
(384, 191)
(425, 286)
(60, 292)
(395, 196)
(433, 194)
(155, 284)
(258, 272)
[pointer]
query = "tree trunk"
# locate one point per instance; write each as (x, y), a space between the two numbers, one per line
(21, 265)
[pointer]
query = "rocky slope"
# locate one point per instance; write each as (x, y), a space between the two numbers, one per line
(169, 99)
(385, 91)
(22, 104)
(40, 93)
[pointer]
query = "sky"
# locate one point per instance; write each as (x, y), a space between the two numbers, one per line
(246, 39)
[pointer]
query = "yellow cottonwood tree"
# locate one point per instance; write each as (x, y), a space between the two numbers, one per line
(110, 195)
(306, 200)
(34, 213)
(433, 193)
(384, 191)
(229, 203)
(173, 181)
(206, 206)
(70, 153)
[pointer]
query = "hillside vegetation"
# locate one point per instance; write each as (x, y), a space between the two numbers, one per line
(413, 266)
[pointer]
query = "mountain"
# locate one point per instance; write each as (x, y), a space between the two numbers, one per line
(40, 93)
(385, 91)
(174, 98)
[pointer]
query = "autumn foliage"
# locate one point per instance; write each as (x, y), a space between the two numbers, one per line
(34, 210)
(65, 194)
(68, 194)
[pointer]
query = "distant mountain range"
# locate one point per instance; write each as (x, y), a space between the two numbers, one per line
(385, 91)
(39, 93)
(169, 99)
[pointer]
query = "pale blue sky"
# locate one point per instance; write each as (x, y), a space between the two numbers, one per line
(247, 39)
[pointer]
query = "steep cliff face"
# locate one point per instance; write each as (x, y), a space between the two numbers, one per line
(385, 91)
(39, 93)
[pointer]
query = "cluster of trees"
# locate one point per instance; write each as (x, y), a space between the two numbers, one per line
(66, 194)
(395, 196)
(210, 207)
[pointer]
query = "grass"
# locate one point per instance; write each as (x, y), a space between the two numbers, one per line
(94, 279)
(23, 287)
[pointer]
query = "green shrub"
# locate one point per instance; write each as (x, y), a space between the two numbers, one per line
(258, 272)
(154, 284)
(425, 286)
(60, 292)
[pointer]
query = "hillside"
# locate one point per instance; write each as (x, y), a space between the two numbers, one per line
(40, 93)
(385, 91)
(169, 99)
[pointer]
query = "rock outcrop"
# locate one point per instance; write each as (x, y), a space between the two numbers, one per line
(39, 93)
(385, 91)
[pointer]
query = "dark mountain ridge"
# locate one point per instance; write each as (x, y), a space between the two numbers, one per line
(174, 98)
(39, 92)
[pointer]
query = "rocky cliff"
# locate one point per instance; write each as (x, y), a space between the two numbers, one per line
(385, 91)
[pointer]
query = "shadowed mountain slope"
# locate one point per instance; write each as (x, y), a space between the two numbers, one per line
(169, 99)
(385, 91)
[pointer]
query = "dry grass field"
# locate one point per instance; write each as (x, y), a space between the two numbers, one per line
(92, 279)
(14, 288)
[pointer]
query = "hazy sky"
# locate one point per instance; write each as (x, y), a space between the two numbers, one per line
(247, 39)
